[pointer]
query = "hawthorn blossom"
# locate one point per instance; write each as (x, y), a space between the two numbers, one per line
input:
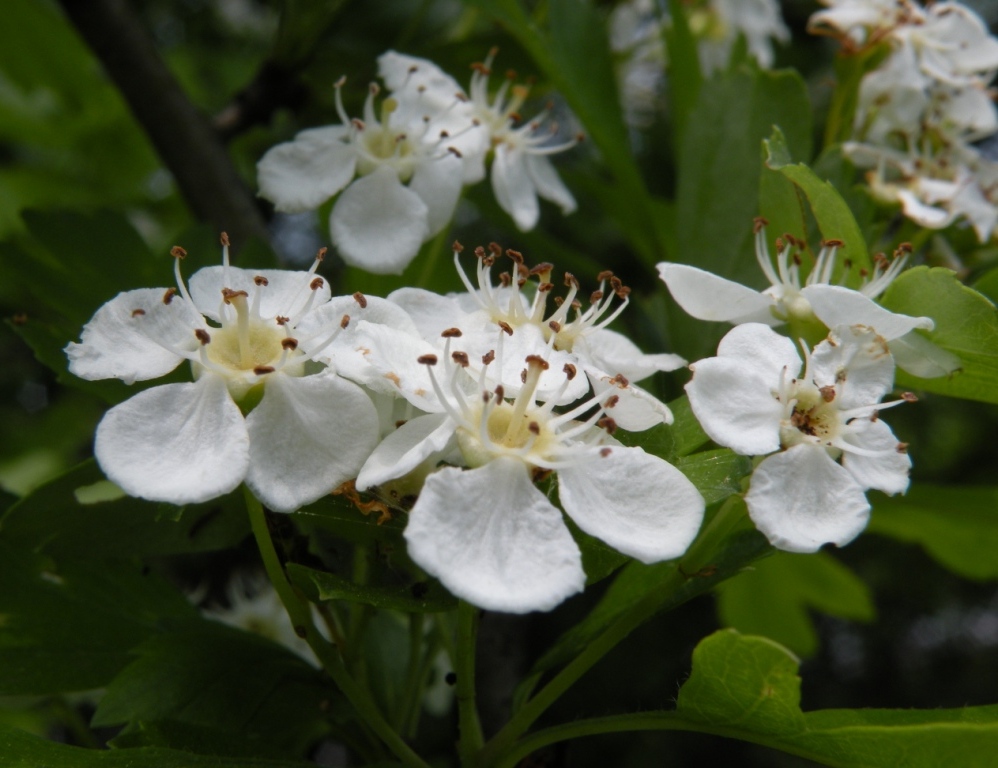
(812, 301)
(564, 333)
(719, 23)
(820, 428)
(521, 171)
(486, 531)
(396, 175)
(259, 410)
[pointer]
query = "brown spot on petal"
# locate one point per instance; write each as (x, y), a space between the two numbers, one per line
(604, 452)
(394, 378)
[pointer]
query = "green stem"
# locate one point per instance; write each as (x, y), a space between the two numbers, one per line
(696, 557)
(75, 723)
(469, 726)
(413, 682)
(300, 612)
(432, 258)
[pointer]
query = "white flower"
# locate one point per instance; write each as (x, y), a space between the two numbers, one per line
(407, 179)
(487, 532)
(521, 171)
(706, 296)
(719, 23)
(309, 430)
(821, 424)
(636, 39)
(864, 21)
(566, 333)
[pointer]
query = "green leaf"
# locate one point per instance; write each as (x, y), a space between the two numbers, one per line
(417, 597)
(71, 626)
(685, 77)
(774, 596)
(988, 284)
(22, 750)
(748, 688)
(956, 526)
(216, 677)
(671, 441)
(81, 515)
(337, 515)
(717, 474)
(966, 325)
(835, 219)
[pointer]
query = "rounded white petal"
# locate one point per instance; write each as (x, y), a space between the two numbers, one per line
(308, 436)
(133, 337)
(378, 224)
(926, 215)
(634, 410)
(857, 362)
(284, 294)
(418, 75)
(613, 352)
(493, 539)
(888, 470)
(393, 367)
(801, 499)
(431, 312)
(706, 296)
(301, 175)
(438, 184)
(513, 187)
(548, 183)
(761, 350)
(178, 443)
(637, 503)
(735, 408)
(406, 448)
(834, 305)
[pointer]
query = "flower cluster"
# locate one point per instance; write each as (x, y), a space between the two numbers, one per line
(922, 108)
(398, 170)
(465, 401)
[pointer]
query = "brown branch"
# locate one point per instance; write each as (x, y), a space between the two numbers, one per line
(185, 140)
(273, 88)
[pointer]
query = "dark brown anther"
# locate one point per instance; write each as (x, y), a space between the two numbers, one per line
(361, 299)
(344, 321)
(570, 371)
(827, 393)
(905, 248)
(580, 137)
(616, 284)
(545, 287)
(505, 279)
(317, 283)
(480, 252)
(623, 292)
(202, 335)
(833, 243)
(289, 344)
(909, 397)
(455, 151)
(620, 380)
(847, 263)
(522, 272)
(486, 397)
(555, 326)
(263, 370)
(138, 312)
(758, 223)
(559, 300)
(539, 361)
(506, 327)
(500, 393)
(570, 281)
(864, 272)
(540, 474)
(604, 452)
(488, 357)
(534, 427)
(320, 255)
(797, 259)
(427, 359)
(19, 318)
(495, 249)
(541, 268)
(595, 296)
(461, 358)
(779, 244)
(606, 274)
(228, 295)
(168, 296)
(608, 424)
(224, 238)
(515, 255)
(282, 320)
(521, 282)
(902, 447)
(451, 333)
(457, 247)
(576, 304)
(260, 280)
(178, 253)
(614, 399)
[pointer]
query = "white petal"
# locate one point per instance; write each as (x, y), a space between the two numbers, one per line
(637, 503)
(438, 184)
(393, 367)
(378, 224)
(308, 436)
(920, 357)
(926, 215)
(431, 312)
(493, 539)
(179, 443)
(737, 409)
(801, 499)
(301, 175)
(834, 305)
(526, 340)
(857, 362)
(418, 75)
(761, 351)
(635, 409)
(284, 294)
(125, 338)
(706, 296)
(548, 184)
(888, 470)
(406, 448)
(613, 352)
(513, 187)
